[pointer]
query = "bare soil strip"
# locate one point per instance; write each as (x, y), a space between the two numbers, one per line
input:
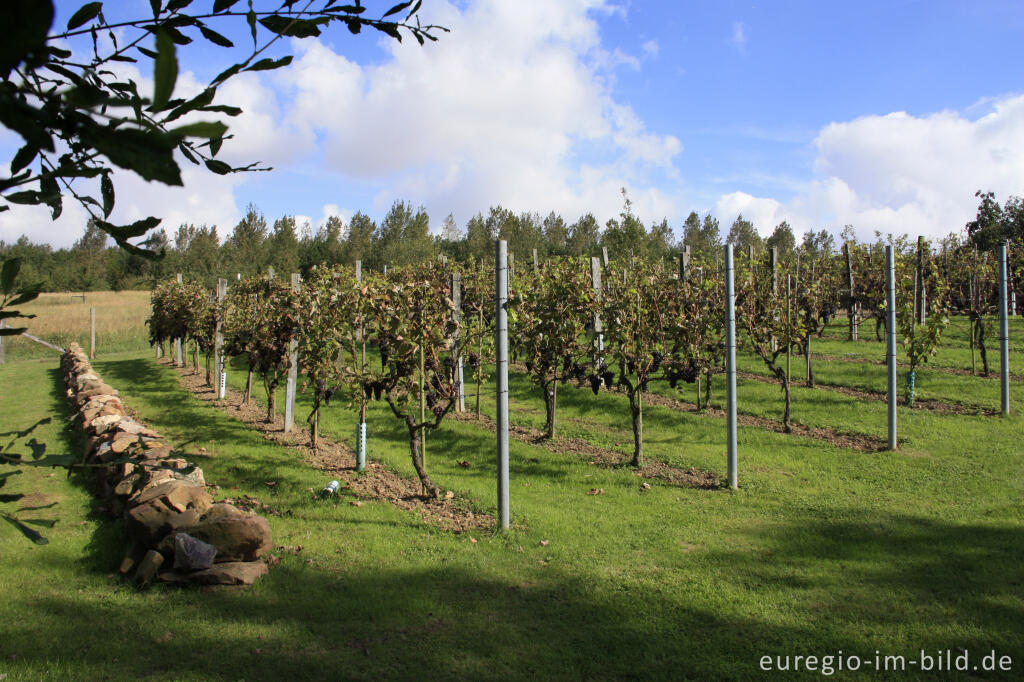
(339, 461)
(920, 403)
(603, 457)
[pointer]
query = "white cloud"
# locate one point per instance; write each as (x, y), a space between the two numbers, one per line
(763, 213)
(650, 48)
(904, 174)
(510, 107)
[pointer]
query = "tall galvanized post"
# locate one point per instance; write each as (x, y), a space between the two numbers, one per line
(773, 264)
(92, 333)
(921, 293)
(501, 359)
(293, 371)
(890, 339)
(361, 427)
(177, 343)
(1004, 334)
(218, 342)
(730, 365)
(460, 406)
(595, 280)
(852, 309)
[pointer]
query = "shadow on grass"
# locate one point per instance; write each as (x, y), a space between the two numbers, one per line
(906, 585)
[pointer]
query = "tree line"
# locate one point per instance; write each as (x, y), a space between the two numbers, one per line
(404, 237)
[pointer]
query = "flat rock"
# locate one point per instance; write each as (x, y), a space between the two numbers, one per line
(149, 523)
(228, 573)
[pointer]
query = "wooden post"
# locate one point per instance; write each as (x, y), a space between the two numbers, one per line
(219, 363)
(604, 256)
(684, 263)
(536, 263)
(92, 333)
(511, 266)
(3, 351)
(270, 274)
(293, 372)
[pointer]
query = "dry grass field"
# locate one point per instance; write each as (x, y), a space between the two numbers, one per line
(63, 317)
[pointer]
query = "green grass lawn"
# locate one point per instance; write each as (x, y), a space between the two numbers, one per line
(822, 549)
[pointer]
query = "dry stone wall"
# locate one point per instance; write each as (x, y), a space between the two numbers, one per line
(176, 532)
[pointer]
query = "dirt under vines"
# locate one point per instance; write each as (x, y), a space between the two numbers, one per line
(603, 457)
(338, 460)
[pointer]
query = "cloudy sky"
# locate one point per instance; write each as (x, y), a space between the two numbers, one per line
(884, 115)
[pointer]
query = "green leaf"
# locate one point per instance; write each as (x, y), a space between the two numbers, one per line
(146, 51)
(228, 73)
(352, 9)
(221, 5)
(270, 64)
(23, 157)
(148, 153)
(175, 5)
(396, 9)
(121, 232)
(286, 26)
(107, 191)
(218, 167)
(200, 100)
(223, 109)
(24, 197)
(50, 193)
(25, 530)
(390, 29)
(206, 129)
(85, 14)
(165, 70)
(155, 6)
(215, 144)
(214, 37)
(354, 25)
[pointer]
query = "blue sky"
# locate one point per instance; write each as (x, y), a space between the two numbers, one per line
(883, 115)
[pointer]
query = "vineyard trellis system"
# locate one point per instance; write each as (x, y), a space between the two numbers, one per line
(593, 323)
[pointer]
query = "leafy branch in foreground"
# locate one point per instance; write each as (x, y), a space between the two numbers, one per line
(80, 116)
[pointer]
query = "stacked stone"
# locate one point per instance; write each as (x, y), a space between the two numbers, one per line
(176, 532)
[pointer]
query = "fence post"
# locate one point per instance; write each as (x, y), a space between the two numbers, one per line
(684, 263)
(730, 366)
(852, 310)
(595, 280)
(921, 293)
(361, 428)
(218, 342)
(3, 351)
(501, 359)
(536, 262)
(890, 339)
(460, 405)
(92, 333)
(604, 255)
(293, 372)
(1004, 335)
(178, 361)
